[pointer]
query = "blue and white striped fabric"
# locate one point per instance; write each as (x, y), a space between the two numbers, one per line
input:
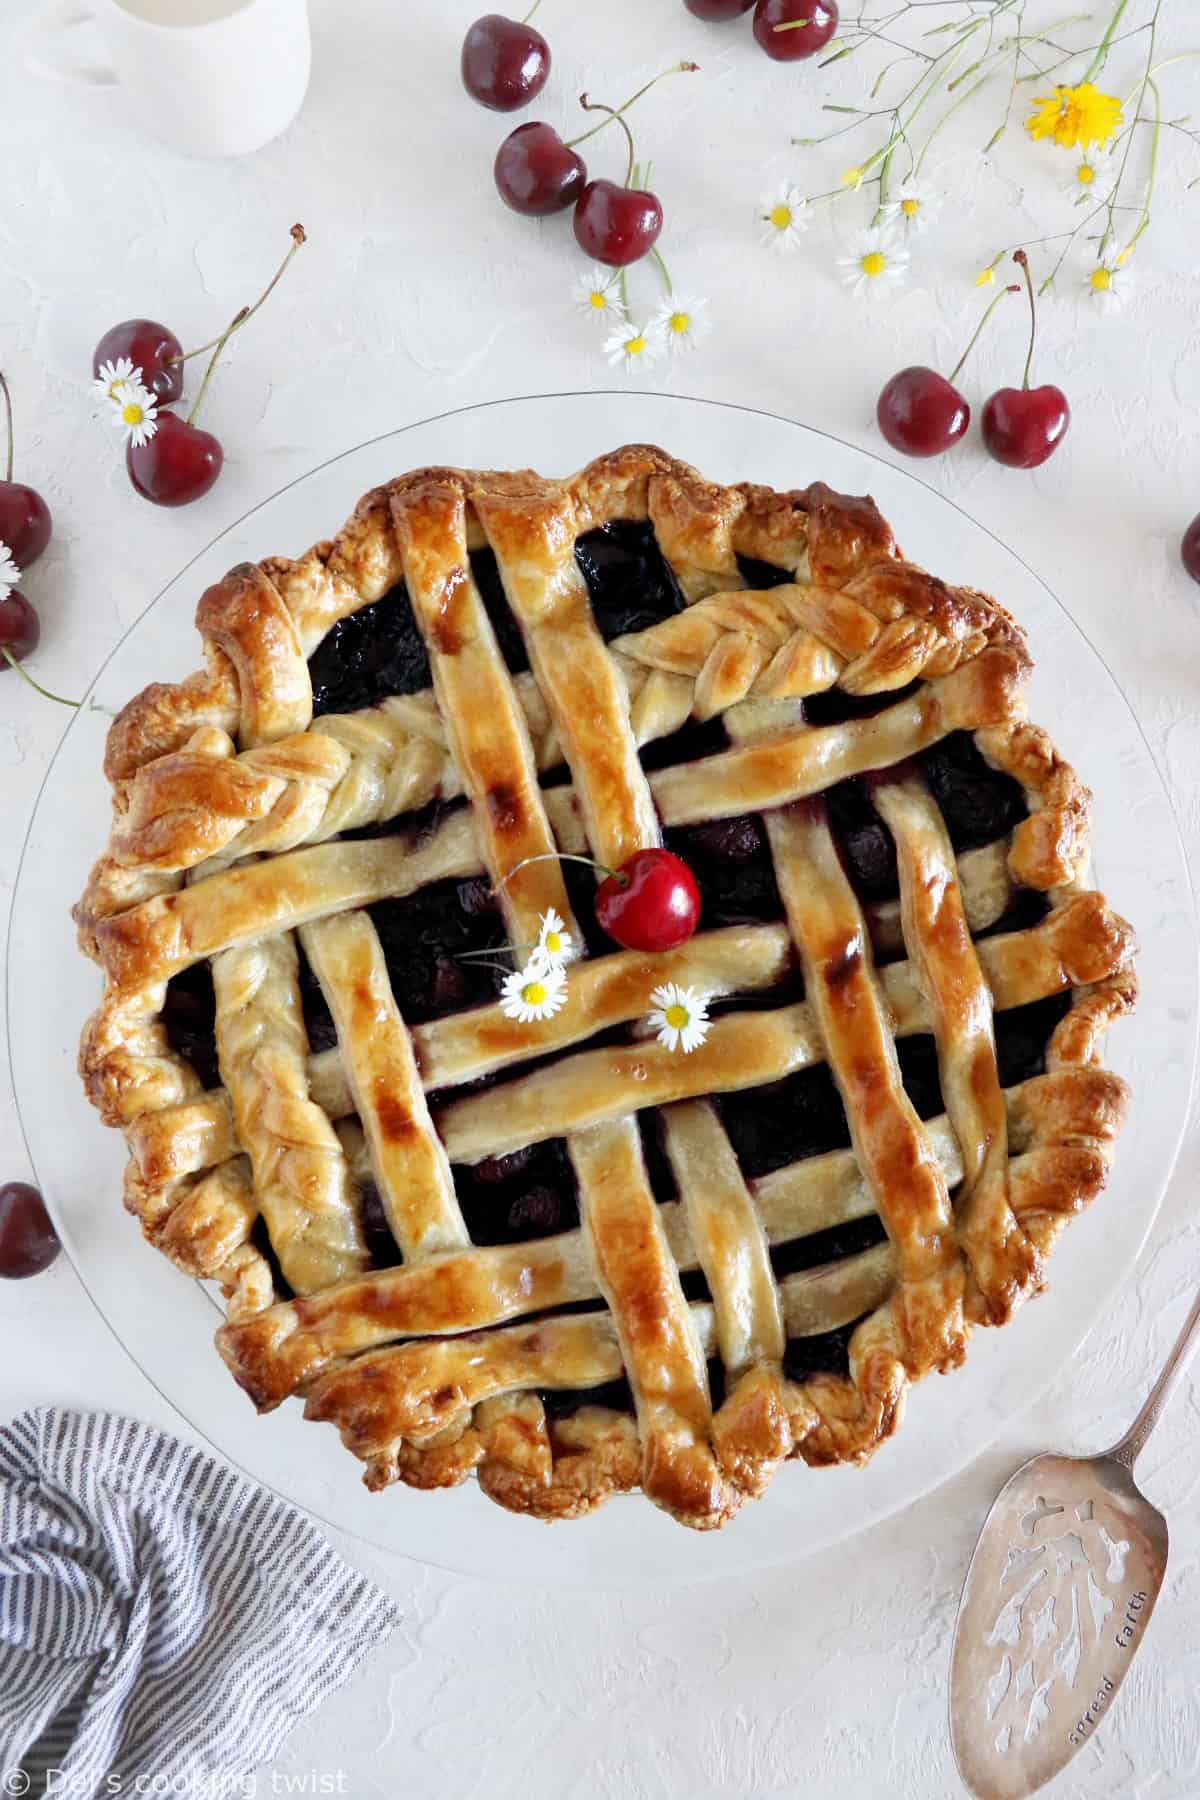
(159, 1616)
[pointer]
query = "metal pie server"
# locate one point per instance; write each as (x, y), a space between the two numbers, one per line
(1056, 1602)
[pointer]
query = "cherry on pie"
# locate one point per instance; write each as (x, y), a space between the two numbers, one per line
(560, 1253)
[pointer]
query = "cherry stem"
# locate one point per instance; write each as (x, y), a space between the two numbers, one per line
(683, 68)
(530, 13)
(218, 343)
(8, 419)
(597, 106)
(994, 303)
(565, 856)
(12, 662)
(1020, 258)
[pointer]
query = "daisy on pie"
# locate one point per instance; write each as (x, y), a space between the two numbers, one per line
(914, 205)
(784, 213)
(554, 947)
(633, 346)
(596, 294)
(875, 261)
(134, 413)
(682, 322)
(535, 992)
(9, 572)
(1109, 285)
(115, 377)
(679, 1017)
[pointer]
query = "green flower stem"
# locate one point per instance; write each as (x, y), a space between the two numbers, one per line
(1102, 48)
(682, 68)
(662, 268)
(12, 662)
(598, 106)
(247, 312)
(992, 305)
(565, 856)
(1143, 223)
(1110, 224)
(9, 425)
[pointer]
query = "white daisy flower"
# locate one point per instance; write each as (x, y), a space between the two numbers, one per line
(679, 1017)
(914, 205)
(134, 413)
(633, 346)
(535, 992)
(9, 572)
(597, 294)
(1088, 177)
(875, 261)
(1108, 285)
(554, 947)
(682, 322)
(115, 377)
(784, 214)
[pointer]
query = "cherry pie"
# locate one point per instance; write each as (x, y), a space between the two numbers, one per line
(560, 1253)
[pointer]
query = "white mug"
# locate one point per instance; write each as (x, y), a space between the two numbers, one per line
(208, 77)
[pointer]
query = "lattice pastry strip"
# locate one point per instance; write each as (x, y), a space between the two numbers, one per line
(435, 1368)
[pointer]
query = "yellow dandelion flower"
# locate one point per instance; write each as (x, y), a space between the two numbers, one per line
(1075, 116)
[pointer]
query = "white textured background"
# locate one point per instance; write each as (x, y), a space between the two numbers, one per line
(419, 292)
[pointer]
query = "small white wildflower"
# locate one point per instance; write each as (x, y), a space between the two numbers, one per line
(9, 572)
(1109, 285)
(682, 322)
(679, 1017)
(914, 205)
(784, 215)
(133, 411)
(535, 992)
(876, 261)
(115, 377)
(597, 294)
(554, 947)
(633, 346)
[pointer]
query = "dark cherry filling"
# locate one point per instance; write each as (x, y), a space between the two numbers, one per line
(978, 803)
(833, 707)
(530, 1193)
(369, 655)
(381, 1245)
(630, 581)
(757, 574)
(189, 1019)
(784, 1121)
(424, 937)
(867, 850)
(733, 869)
(828, 1246)
(508, 632)
(828, 1353)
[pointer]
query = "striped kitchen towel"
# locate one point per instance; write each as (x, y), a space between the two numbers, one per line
(160, 1617)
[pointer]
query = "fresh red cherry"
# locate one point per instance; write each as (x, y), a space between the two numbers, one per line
(151, 348)
(791, 29)
(718, 9)
(536, 173)
(505, 62)
(650, 903)
(1023, 426)
(24, 516)
(19, 628)
(177, 465)
(616, 225)
(28, 1241)
(1189, 549)
(920, 413)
